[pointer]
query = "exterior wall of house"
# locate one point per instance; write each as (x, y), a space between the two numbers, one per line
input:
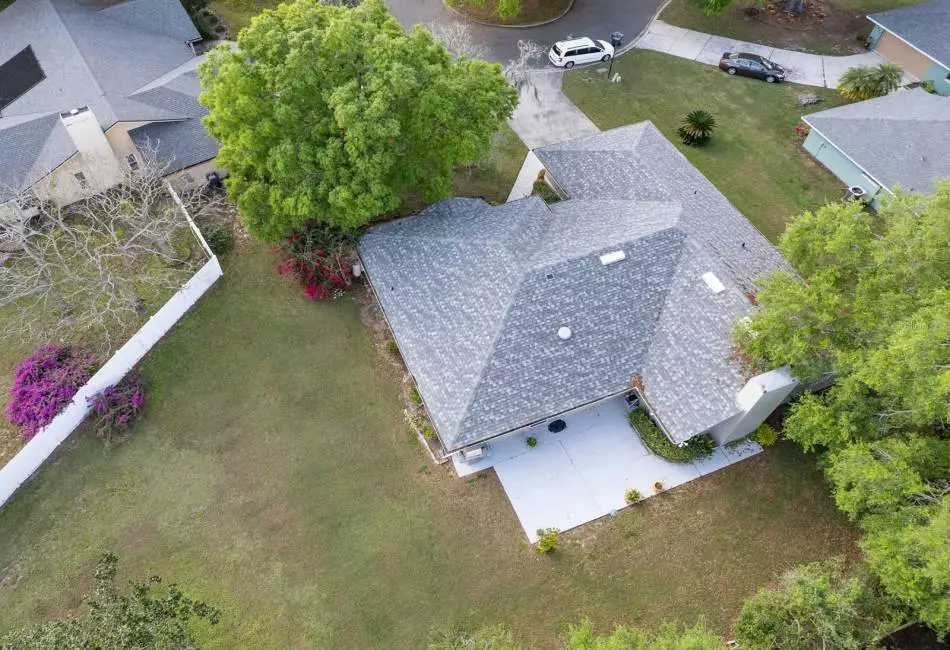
(758, 399)
(939, 76)
(897, 51)
(119, 140)
(842, 167)
(95, 160)
(193, 176)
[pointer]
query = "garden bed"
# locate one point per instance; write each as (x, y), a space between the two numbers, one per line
(657, 442)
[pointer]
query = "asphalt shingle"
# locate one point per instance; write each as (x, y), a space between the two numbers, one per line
(924, 26)
(476, 294)
(899, 139)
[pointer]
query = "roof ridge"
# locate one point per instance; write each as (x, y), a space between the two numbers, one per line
(82, 57)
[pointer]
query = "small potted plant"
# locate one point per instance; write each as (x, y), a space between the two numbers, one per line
(658, 487)
(632, 496)
(531, 441)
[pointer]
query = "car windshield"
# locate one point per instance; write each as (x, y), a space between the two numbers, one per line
(767, 64)
(557, 50)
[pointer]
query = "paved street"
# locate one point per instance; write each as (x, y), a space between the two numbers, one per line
(594, 18)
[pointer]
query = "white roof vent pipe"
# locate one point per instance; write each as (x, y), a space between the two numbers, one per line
(564, 333)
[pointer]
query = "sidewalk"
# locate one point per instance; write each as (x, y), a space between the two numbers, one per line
(801, 68)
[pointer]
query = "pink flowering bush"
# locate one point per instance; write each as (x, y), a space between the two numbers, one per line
(315, 256)
(44, 384)
(117, 407)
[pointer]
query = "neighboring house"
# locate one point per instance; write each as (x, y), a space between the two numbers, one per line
(508, 316)
(917, 38)
(85, 84)
(900, 139)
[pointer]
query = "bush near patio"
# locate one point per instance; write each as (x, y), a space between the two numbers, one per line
(657, 442)
(752, 160)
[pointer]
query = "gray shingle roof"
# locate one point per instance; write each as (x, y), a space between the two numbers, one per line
(96, 53)
(475, 294)
(899, 139)
(32, 147)
(925, 26)
(180, 144)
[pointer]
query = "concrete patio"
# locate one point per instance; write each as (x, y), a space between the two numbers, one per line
(581, 474)
(801, 67)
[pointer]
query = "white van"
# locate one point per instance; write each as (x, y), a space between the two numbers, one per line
(580, 50)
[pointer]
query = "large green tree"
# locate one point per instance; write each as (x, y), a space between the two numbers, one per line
(336, 114)
(870, 306)
(815, 606)
(144, 618)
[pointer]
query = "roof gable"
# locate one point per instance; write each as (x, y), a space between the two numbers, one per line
(31, 149)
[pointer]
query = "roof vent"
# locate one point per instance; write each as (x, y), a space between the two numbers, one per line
(611, 257)
(564, 333)
(713, 282)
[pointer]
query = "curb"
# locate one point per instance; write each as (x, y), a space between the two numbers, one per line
(459, 14)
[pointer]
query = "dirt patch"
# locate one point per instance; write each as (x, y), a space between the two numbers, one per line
(826, 26)
(532, 11)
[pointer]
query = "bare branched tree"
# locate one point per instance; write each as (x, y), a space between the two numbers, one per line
(90, 271)
(458, 39)
(518, 71)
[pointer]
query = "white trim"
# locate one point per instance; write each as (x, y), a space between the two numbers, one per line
(898, 36)
(856, 163)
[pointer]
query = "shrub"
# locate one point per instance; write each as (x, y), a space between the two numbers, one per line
(414, 396)
(548, 540)
(659, 444)
(866, 82)
(632, 496)
(315, 256)
(508, 8)
(220, 236)
(532, 441)
(393, 347)
(44, 384)
(696, 128)
(765, 435)
(713, 7)
(117, 407)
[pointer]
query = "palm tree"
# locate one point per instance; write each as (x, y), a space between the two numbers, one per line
(697, 128)
(867, 82)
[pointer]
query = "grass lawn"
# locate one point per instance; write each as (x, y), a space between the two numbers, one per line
(273, 475)
(841, 31)
(237, 14)
(493, 179)
(753, 158)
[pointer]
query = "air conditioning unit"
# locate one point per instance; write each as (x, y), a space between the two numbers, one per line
(855, 193)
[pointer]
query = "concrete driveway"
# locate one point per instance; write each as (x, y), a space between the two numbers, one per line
(581, 474)
(593, 18)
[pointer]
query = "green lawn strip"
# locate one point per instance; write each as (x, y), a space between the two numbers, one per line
(273, 474)
(493, 179)
(754, 158)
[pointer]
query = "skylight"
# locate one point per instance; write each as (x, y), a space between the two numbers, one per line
(714, 283)
(611, 257)
(18, 75)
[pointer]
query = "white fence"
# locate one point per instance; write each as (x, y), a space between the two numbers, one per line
(44, 443)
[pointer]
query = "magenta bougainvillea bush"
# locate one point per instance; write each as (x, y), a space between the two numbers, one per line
(315, 255)
(44, 384)
(117, 407)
